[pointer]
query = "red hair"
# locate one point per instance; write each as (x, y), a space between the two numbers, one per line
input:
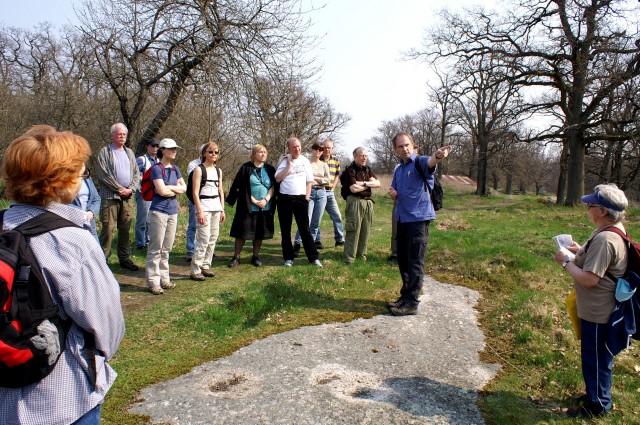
(43, 166)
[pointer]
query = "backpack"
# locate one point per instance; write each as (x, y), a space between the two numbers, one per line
(30, 324)
(623, 325)
(437, 193)
(203, 181)
(146, 186)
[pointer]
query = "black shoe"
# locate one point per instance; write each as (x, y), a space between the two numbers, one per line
(296, 250)
(403, 310)
(140, 247)
(189, 257)
(586, 412)
(129, 265)
(392, 259)
(234, 262)
(395, 304)
(339, 243)
(319, 245)
(255, 260)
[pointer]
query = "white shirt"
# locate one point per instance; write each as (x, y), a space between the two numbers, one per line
(295, 182)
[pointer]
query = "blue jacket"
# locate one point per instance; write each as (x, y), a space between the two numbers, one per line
(93, 204)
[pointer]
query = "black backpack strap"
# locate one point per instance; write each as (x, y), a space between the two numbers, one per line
(43, 223)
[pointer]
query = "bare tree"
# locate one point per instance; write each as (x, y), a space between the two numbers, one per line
(149, 51)
(580, 52)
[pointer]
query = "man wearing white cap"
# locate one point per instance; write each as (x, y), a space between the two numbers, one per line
(119, 178)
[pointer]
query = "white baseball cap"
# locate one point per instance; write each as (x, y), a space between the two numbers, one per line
(168, 143)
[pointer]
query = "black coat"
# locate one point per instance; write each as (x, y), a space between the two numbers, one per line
(241, 189)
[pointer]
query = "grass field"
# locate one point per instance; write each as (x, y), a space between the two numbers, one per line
(498, 245)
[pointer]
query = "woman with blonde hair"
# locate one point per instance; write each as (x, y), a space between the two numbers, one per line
(254, 187)
(208, 199)
(43, 171)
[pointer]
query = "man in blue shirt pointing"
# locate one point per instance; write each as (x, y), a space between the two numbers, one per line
(414, 212)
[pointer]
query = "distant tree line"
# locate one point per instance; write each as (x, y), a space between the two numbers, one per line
(235, 72)
(570, 67)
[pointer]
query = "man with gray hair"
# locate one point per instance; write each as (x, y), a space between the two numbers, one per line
(332, 205)
(357, 183)
(119, 178)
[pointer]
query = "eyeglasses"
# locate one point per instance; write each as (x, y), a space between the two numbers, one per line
(319, 149)
(86, 174)
(154, 146)
(589, 206)
(171, 149)
(216, 152)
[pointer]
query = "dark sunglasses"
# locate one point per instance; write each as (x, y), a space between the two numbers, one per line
(216, 152)
(154, 146)
(319, 149)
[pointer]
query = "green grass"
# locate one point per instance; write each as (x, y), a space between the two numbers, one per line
(499, 245)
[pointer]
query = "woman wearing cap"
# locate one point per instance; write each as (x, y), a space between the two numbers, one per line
(254, 188)
(603, 255)
(208, 200)
(318, 197)
(163, 216)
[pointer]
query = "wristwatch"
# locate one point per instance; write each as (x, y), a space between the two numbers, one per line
(564, 264)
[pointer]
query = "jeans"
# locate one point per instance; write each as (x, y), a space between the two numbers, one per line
(290, 206)
(358, 217)
(597, 365)
(317, 202)
(334, 212)
(92, 417)
(191, 230)
(413, 239)
(162, 233)
(205, 245)
(116, 213)
(142, 214)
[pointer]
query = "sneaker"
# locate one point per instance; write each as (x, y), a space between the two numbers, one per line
(207, 273)
(319, 245)
(296, 250)
(168, 285)
(234, 262)
(395, 304)
(255, 260)
(339, 243)
(156, 290)
(403, 310)
(316, 263)
(288, 263)
(198, 277)
(129, 265)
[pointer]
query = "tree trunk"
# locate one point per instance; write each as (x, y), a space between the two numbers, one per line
(575, 168)
(482, 168)
(561, 189)
(507, 187)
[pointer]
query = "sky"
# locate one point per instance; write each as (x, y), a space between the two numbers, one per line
(364, 71)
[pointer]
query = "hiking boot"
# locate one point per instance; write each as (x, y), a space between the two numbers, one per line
(129, 265)
(586, 411)
(168, 285)
(255, 260)
(319, 245)
(156, 290)
(207, 273)
(403, 310)
(339, 243)
(395, 304)
(296, 250)
(234, 262)
(288, 263)
(197, 277)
